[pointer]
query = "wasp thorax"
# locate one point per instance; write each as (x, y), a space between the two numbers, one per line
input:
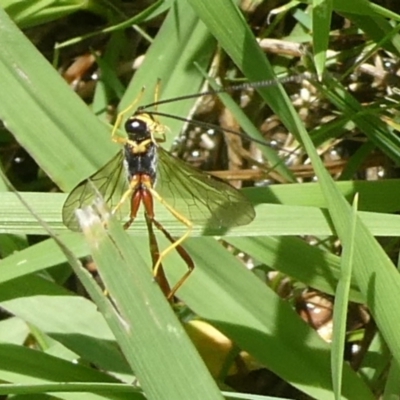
(137, 129)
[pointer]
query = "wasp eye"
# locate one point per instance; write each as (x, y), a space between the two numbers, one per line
(135, 125)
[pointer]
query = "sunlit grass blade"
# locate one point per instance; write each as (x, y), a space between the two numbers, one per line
(145, 326)
(322, 15)
(29, 14)
(40, 302)
(341, 307)
(47, 371)
(52, 116)
(271, 219)
(146, 15)
(72, 390)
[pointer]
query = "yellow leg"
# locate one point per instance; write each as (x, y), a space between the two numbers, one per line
(159, 128)
(155, 253)
(128, 193)
(180, 240)
(161, 278)
(157, 94)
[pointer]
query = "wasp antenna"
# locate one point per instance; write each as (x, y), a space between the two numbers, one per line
(208, 125)
(258, 84)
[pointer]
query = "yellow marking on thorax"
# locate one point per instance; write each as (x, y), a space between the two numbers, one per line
(139, 148)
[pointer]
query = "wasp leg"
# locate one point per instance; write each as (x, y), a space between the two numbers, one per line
(175, 243)
(132, 193)
(181, 251)
(155, 254)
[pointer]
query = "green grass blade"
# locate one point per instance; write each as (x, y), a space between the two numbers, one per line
(89, 391)
(146, 328)
(341, 307)
(367, 120)
(63, 121)
(139, 316)
(30, 13)
(146, 15)
(296, 258)
(52, 309)
(391, 387)
(46, 369)
(271, 219)
(260, 322)
(322, 15)
(44, 115)
(373, 270)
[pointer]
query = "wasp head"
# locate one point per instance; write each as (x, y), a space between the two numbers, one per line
(137, 129)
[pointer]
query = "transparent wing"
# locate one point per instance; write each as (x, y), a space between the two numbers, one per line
(200, 197)
(110, 181)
